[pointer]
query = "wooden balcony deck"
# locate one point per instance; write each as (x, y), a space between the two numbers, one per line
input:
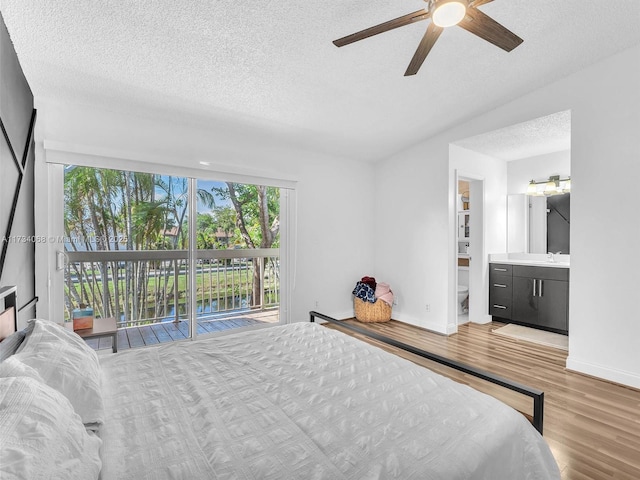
(133, 337)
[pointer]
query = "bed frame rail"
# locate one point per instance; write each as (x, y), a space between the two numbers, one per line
(537, 395)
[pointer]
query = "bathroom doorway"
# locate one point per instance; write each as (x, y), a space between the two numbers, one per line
(463, 206)
(486, 159)
(469, 247)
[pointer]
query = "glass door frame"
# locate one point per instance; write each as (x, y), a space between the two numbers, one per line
(50, 273)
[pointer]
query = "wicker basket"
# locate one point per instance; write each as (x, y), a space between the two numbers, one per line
(371, 312)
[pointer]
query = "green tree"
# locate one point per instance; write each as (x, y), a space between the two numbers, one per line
(150, 212)
(225, 218)
(257, 211)
(102, 206)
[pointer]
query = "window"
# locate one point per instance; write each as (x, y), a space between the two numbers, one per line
(132, 252)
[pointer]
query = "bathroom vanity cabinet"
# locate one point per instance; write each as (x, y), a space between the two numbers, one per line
(536, 296)
(500, 290)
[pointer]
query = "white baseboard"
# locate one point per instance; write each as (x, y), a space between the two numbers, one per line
(451, 328)
(614, 375)
(344, 314)
(338, 316)
(420, 322)
(482, 320)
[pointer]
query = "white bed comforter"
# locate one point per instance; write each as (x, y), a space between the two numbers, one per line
(303, 402)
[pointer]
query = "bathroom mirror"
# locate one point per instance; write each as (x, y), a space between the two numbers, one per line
(538, 224)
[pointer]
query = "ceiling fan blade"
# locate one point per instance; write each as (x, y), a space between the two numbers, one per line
(427, 42)
(488, 29)
(477, 3)
(383, 27)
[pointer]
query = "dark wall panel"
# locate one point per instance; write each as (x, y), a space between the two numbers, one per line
(558, 223)
(16, 112)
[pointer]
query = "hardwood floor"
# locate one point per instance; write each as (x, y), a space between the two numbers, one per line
(592, 426)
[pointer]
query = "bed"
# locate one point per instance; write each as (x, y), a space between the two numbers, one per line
(299, 401)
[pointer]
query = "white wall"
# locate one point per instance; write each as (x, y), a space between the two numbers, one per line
(605, 279)
(333, 232)
(412, 232)
(541, 167)
(417, 249)
(605, 113)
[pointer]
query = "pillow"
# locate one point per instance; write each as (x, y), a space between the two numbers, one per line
(41, 435)
(66, 364)
(11, 344)
(13, 367)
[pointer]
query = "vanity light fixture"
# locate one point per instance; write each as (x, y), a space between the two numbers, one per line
(554, 186)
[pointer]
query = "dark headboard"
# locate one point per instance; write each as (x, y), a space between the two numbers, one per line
(17, 219)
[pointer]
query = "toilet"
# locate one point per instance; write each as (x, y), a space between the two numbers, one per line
(463, 290)
(463, 293)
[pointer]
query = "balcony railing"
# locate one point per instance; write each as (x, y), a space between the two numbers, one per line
(150, 286)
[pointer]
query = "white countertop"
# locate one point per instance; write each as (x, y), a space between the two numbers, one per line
(532, 259)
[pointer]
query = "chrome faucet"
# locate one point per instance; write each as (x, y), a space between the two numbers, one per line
(550, 256)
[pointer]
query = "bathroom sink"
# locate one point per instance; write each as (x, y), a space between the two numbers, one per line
(540, 263)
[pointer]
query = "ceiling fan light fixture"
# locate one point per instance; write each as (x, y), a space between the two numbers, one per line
(442, 13)
(448, 13)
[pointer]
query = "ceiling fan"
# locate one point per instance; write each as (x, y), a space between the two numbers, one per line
(443, 14)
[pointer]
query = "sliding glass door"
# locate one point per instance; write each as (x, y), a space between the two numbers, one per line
(126, 251)
(132, 252)
(238, 255)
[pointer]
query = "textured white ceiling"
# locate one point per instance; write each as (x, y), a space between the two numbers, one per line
(271, 64)
(538, 136)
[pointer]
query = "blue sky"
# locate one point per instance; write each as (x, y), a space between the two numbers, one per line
(204, 184)
(207, 185)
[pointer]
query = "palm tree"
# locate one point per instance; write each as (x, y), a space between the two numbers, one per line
(258, 220)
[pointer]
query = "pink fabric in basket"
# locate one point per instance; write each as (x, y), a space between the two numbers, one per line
(384, 293)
